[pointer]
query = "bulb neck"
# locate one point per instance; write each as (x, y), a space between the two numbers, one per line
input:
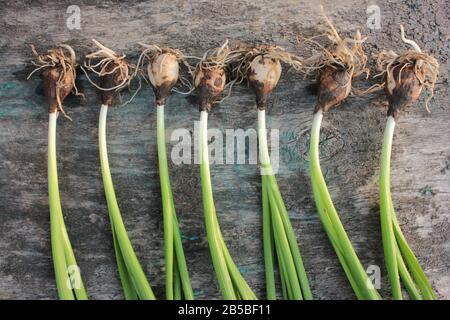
(163, 91)
(262, 100)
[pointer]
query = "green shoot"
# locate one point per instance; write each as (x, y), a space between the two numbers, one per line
(134, 282)
(277, 228)
(355, 272)
(178, 285)
(232, 285)
(68, 279)
(400, 260)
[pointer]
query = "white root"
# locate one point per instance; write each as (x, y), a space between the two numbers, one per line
(408, 41)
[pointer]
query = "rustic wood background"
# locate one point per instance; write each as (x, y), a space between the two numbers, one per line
(350, 147)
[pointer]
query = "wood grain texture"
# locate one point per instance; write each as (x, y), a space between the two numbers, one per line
(351, 145)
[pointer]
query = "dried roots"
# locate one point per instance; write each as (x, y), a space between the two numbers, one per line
(113, 70)
(344, 53)
(59, 74)
(336, 65)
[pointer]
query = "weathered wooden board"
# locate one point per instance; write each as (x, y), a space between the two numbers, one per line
(350, 152)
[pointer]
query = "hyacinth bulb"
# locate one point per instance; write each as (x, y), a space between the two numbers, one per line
(210, 83)
(402, 89)
(56, 89)
(335, 85)
(263, 76)
(163, 72)
(112, 79)
(58, 81)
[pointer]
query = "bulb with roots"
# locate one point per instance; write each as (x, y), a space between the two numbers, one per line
(59, 78)
(263, 75)
(406, 75)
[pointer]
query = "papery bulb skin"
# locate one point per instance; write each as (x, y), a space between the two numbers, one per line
(50, 78)
(263, 76)
(210, 84)
(163, 73)
(334, 87)
(404, 91)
